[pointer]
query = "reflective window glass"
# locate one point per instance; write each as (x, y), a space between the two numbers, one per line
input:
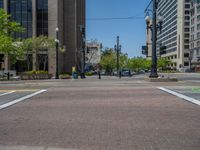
(21, 12)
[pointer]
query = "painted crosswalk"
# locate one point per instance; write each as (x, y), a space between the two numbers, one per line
(190, 94)
(12, 97)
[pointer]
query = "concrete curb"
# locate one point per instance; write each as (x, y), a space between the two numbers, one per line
(161, 79)
(30, 148)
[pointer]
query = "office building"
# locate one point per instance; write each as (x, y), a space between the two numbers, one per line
(42, 17)
(175, 33)
(195, 34)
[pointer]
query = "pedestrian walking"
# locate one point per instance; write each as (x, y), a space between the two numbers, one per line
(99, 71)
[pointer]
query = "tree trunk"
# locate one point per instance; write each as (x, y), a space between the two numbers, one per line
(34, 61)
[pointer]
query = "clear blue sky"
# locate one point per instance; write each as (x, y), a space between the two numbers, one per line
(131, 32)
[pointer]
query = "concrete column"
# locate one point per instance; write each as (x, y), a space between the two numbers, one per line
(52, 24)
(34, 61)
(34, 26)
(34, 17)
(5, 2)
(6, 58)
(6, 62)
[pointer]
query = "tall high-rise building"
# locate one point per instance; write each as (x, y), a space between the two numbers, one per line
(175, 31)
(195, 34)
(42, 17)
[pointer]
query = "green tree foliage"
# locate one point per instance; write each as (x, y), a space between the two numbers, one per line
(35, 45)
(108, 60)
(123, 61)
(139, 63)
(163, 63)
(8, 45)
(8, 27)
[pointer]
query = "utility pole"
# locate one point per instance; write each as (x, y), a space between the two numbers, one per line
(118, 49)
(57, 48)
(83, 40)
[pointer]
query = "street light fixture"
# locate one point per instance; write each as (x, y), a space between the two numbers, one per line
(154, 28)
(57, 47)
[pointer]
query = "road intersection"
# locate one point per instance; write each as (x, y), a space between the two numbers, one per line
(106, 114)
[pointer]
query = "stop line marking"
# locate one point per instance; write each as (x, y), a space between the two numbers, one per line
(187, 98)
(21, 99)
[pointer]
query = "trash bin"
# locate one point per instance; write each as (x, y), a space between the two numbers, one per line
(75, 75)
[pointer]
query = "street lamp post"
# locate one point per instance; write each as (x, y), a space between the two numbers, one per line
(118, 49)
(154, 28)
(57, 47)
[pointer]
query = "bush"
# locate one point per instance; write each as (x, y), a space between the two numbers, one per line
(89, 73)
(35, 75)
(34, 72)
(65, 76)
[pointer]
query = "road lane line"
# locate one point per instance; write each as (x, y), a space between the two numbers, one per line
(22, 90)
(7, 93)
(21, 99)
(187, 98)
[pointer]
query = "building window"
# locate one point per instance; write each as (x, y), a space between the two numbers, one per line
(186, 64)
(1, 3)
(198, 18)
(198, 35)
(192, 45)
(198, 43)
(186, 55)
(42, 17)
(21, 12)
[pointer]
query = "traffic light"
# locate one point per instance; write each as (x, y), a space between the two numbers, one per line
(145, 50)
(83, 31)
(88, 50)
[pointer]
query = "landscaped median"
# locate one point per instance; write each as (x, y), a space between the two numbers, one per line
(35, 75)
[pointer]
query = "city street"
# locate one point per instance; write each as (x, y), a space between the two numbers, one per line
(107, 114)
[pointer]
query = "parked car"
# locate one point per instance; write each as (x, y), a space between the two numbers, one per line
(141, 72)
(126, 73)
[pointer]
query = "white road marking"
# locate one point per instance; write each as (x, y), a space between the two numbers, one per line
(7, 93)
(187, 98)
(21, 99)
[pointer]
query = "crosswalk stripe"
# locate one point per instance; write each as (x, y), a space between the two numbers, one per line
(7, 93)
(21, 99)
(187, 98)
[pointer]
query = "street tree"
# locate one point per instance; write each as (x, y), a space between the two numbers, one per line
(139, 63)
(163, 63)
(8, 45)
(37, 47)
(108, 60)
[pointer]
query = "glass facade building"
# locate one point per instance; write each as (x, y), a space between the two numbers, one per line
(42, 17)
(1, 3)
(21, 12)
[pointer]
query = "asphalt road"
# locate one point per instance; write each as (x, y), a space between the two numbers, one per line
(107, 114)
